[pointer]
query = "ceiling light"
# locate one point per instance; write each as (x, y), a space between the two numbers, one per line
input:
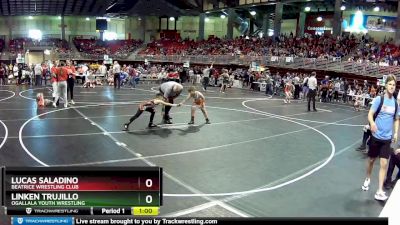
(223, 16)
(253, 13)
(87, 18)
(376, 9)
(30, 17)
(59, 17)
(319, 19)
(307, 9)
(108, 19)
(342, 7)
(172, 18)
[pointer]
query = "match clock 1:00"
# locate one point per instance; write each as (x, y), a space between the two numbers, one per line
(145, 211)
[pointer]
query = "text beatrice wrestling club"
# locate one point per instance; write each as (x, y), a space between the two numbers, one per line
(44, 183)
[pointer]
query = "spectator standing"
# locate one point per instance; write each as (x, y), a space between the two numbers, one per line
(382, 134)
(132, 76)
(71, 80)
(312, 91)
(103, 71)
(117, 70)
(296, 82)
(206, 77)
(38, 74)
(62, 76)
(3, 75)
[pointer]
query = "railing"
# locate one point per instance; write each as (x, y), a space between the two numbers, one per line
(4, 56)
(330, 64)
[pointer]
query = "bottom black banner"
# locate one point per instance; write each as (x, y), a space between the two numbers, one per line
(221, 221)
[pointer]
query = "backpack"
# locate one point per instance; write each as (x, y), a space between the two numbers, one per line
(380, 107)
(305, 83)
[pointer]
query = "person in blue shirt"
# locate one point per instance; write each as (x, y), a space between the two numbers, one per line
(382, 135)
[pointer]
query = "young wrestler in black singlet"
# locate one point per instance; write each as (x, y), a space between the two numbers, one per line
(149, 106)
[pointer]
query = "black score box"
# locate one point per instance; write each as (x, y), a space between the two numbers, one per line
(112, 211)
(48, 211)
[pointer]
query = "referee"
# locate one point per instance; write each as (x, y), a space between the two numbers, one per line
(170, 90)
(312, 86)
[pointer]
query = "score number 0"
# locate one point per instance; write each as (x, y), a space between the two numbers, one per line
(149, 184)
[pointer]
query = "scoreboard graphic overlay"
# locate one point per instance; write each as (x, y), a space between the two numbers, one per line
(82, 190)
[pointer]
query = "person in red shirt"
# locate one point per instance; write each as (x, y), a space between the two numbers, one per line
(288, 91)
(53, 81)
(61, 73)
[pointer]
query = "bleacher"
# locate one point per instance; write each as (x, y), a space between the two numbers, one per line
(19, 45)
(308, 47)
(166, 47)
(322, 53)
(96, 49)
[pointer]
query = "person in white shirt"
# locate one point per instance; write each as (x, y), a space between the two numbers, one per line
(191, 76)
(336, 90)
(117, 71)
(103, 70)
(206, 76)
(312, 90)
(15, 72)
(38, 74)
(83, 71)
(110, 77)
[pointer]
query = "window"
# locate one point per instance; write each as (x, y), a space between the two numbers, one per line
(110, 36)
(35, 34)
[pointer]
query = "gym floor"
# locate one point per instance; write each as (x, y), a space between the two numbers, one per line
(259, 157)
